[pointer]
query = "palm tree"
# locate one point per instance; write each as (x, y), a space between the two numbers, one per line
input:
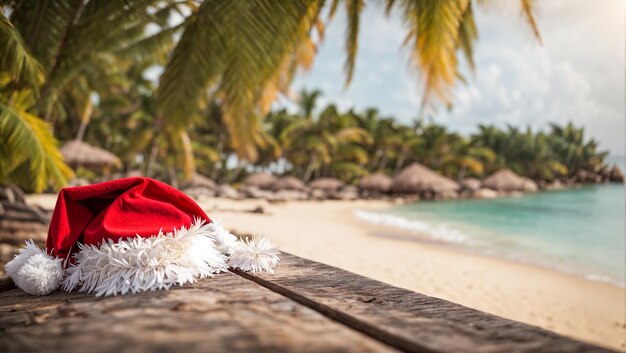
(29, 154)
(238, 47)
(330, 144)
(410, 142)
(242, 51)
(569, 145)
(464, 159)
(71, 44)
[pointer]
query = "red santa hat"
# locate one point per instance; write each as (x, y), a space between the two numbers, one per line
(132, 235)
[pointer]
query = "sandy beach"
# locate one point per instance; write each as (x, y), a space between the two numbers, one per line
(329, 232)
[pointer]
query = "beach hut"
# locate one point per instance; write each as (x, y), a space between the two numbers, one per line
(471, 184)
(507, 181)
(288, 183)
(377, 183)
(260, 180)
(79, 154)
(199, 180)
(530, 185)
(418, 179)
(326, 184)
(200, 186)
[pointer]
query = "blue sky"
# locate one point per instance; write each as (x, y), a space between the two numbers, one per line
(577, 74)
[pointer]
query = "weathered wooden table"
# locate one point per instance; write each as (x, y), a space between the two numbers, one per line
(304, 307)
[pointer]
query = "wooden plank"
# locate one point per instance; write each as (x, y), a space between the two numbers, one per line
(404, 319)
(223, 314)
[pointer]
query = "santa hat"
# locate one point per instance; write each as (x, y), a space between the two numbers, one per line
(132, 235)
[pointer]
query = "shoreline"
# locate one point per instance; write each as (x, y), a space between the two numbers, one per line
(406, 235)
(329, 232)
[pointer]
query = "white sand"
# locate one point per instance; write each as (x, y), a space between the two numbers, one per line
(329, 232)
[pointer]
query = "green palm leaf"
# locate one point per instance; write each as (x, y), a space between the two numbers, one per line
(28, 139)
(237, 45)
(15, 58)
(434, 29)
(353, 13)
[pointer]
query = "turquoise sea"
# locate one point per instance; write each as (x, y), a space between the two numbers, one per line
(579, 230)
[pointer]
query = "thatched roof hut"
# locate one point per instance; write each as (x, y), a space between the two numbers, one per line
(471, 184)
(506, 180)
(326, 184)
(77, 153)
(134, 173)
(417, 179)
(288, 183)
(376, 183)
(199, 180)
(530, 185)
(260, 180)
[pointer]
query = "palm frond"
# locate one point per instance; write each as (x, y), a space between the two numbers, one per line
(433, 34)
(103, 26)
(15, 58)
(29, 139)
(334, 5)
(528, 13)
(155, 47)
(242, 44)
(468, 34)
(44, 25)
(353, 14)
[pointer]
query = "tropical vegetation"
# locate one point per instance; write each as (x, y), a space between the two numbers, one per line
(348, 145)
(76, 69)
(323, 141)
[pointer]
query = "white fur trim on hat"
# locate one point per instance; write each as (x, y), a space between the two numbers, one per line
(138, 264)
(142, 264)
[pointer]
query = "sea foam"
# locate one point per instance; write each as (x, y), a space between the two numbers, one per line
(438, 232)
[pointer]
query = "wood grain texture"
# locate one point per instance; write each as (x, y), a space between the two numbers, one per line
(404, 319)
(224, 314)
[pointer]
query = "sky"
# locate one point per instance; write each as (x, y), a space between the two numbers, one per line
(577, 74)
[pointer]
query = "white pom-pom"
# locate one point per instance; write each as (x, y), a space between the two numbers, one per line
(13, 266)
(255, 254)
(34, 271)
(224, 240)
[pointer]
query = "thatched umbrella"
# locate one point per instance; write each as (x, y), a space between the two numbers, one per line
(376, 183)
(326, 184)
(417, 179)
(77, 153)
(471, 184)
(260, 180)
(506, 180)
(288, 183)
(199, 180)
(530, 185)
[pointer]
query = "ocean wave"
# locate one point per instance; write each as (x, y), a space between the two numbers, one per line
(440, 232)
(604, 279)
(444, 233)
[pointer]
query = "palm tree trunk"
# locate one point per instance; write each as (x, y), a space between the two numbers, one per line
(375, 160)
(81, 130)
(157, 126)
(383, 161)
(461, 175)
(152, 159)
(400, 160)
(237, 171)
(172, 174)
(309, 170)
